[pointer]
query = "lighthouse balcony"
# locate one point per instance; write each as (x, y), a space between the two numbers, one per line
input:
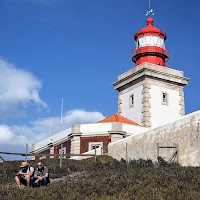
(150, 50)
(151, 54)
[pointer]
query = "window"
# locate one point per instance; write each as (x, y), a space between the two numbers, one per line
(64, 150)
(131, 100)
(93, 146)
(137, 44)
(150, 40)
(164, 96)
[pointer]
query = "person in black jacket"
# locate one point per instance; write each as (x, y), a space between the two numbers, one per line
(41, 174)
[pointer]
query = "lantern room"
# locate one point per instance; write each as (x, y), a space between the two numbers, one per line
(150, 46)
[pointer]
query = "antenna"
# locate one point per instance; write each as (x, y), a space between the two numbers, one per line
(50, 126)
(149, 4)
(61, 113)
(150, 11)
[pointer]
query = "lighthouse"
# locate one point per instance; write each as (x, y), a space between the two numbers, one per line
(151, 93)
(150, 46)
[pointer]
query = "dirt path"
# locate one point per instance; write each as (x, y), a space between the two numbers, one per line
(70, 177)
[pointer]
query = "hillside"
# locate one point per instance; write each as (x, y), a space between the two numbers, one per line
(106, 179)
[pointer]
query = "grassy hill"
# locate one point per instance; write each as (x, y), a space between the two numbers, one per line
(106, 179)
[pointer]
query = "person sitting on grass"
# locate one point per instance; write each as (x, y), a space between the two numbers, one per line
(41, 175)
(25, 175)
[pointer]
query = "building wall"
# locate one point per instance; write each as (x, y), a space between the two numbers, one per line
(183, 132)
(162, 114)
(43, 157)
(144, 76)
(116, 130)
(133, 130)
(84, 142)
(95, 128)
(66, 147)
(38, 146)
(132, 113)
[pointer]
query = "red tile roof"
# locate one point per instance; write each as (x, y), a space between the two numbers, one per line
(118, 118)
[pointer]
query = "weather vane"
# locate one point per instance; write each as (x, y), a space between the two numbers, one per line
(150, 12)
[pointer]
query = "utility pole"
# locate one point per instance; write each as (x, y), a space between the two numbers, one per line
(50, 126)
(126, 152)
(95, 157)
(61, 112)
(198, 141)
(61, 155)
(26, 151)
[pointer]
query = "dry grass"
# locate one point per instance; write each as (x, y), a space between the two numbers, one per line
(108, 179)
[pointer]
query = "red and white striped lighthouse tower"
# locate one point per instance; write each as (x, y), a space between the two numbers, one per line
(150, 45)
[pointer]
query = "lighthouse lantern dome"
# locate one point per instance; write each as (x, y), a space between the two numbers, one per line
(150, 45)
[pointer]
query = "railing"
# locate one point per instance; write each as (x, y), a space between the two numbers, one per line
(61, 155)
(150, 49)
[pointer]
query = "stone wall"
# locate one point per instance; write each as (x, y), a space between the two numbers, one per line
(183, 132)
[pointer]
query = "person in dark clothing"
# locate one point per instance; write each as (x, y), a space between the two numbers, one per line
(41, 175)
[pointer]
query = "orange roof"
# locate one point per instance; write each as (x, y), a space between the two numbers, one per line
(118, 118)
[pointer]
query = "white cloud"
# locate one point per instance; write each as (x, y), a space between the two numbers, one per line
(70, 118)
(15, 137)
(5, 133)
(18, 88)
(7, 136)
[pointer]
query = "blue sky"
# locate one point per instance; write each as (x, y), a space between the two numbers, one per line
(75, 49)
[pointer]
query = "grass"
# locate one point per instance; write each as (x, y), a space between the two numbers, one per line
(108, 179)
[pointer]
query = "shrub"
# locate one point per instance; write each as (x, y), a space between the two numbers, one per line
(109, 179)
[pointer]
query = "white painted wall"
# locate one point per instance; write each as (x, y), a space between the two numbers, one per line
(133, 113)
(95, 129)
(162, 114)
(53, 138)
(133, 130)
